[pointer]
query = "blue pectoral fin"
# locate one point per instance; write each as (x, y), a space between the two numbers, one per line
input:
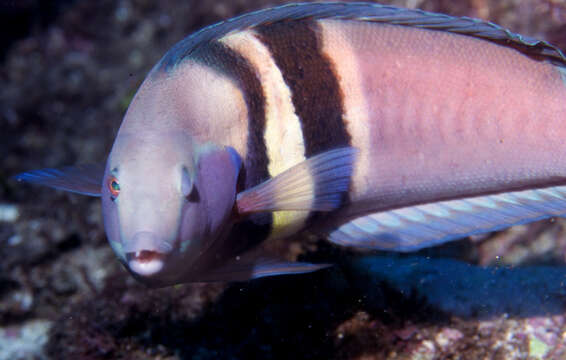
(316, 184)
(247, 269)
(81, 179)
(272, 267)
(416, 227)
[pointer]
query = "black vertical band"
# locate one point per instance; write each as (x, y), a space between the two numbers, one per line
(218, 56)
(316, 94)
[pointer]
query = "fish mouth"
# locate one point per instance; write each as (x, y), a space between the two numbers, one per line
(145, 262)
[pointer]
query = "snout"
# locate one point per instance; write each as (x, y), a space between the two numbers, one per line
(145, 253)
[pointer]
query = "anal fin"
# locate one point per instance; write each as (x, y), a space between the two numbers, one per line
(416, 227)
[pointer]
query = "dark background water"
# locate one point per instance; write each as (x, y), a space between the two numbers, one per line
(68, 70)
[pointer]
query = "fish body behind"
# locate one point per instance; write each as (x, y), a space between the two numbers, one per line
(434, 114)
(458, 126)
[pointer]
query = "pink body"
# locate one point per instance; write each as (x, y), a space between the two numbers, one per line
(435, 115)
(449, 115)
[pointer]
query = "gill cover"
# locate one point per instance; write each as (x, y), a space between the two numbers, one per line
(164, 205)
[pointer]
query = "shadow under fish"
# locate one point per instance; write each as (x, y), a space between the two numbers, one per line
(458, 288)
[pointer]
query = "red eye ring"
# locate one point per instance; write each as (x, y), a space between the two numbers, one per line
(113, 186)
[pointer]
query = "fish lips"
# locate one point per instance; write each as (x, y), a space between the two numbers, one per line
(146, 253)
(145, 262)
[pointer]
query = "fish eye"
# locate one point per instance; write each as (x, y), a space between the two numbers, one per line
(114, 187)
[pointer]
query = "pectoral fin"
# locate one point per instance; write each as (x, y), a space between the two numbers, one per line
(81, 179)
(316, 184)
(242, 269)
(420, 226)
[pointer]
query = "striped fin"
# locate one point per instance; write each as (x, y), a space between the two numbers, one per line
(316, 184)
(81, 179)
(416, 227)
(363, 12)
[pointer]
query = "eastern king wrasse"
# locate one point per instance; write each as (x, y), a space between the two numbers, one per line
(375, 126)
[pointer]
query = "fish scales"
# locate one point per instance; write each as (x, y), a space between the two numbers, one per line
(381, 127)
(432, 95)
(460, 114)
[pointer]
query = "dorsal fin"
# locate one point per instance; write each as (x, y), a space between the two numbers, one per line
(377, 13)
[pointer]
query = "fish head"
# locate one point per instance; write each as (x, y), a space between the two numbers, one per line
(165, 200)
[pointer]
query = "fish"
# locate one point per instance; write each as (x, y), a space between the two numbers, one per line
(373, 126)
